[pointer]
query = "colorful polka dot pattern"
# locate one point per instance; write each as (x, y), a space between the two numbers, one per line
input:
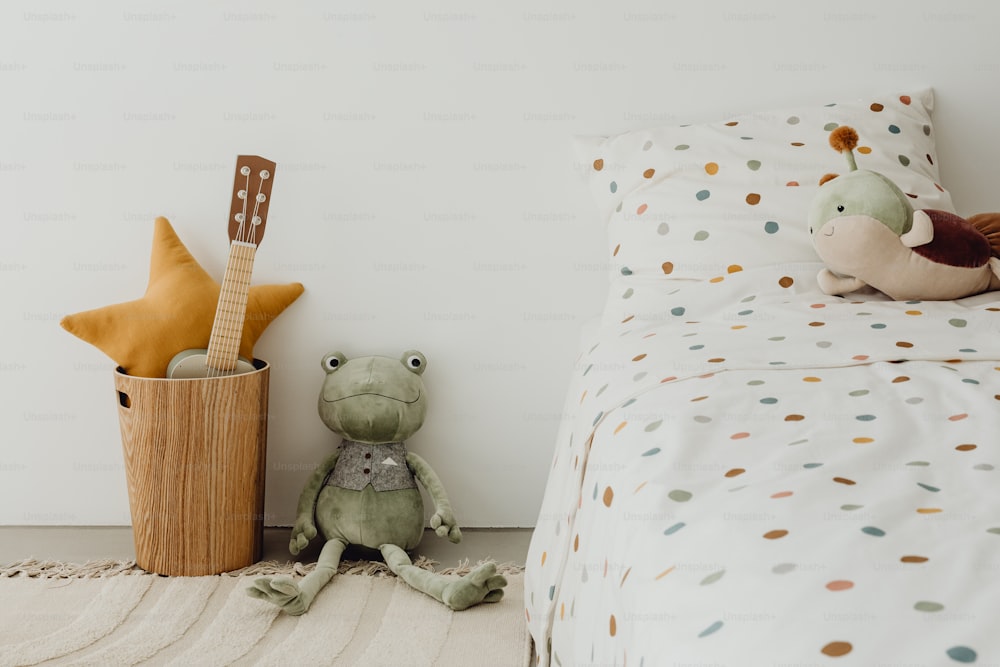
(686, 202)
(781, 479)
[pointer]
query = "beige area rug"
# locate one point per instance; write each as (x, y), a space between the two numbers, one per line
(112, 613)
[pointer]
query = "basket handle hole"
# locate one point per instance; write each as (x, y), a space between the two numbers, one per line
(124, 400)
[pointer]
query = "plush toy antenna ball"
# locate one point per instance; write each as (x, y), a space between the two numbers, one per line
(844, 139)
(365, 493)
(867, 233)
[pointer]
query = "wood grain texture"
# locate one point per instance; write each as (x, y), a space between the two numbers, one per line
(195, 454)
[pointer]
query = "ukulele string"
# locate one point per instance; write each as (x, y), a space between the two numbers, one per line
(230, 323)
(245, 262)
(258, 200)
(247, 256)
(238, 268)
(231, 316)
(223, 323)
(215, 367)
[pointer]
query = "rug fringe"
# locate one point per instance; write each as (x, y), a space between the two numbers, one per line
(464, 567)
(365, 567)
(50, 569)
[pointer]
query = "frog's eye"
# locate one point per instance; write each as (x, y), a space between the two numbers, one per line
(414, 361)
(333, 361)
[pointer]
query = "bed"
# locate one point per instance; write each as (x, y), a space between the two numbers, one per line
(751, 472)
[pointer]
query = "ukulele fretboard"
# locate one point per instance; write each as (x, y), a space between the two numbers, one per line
(227, 330)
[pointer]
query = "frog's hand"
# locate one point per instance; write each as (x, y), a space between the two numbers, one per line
(305, 522)
(444, 524)
(443, 521)
(303, 531)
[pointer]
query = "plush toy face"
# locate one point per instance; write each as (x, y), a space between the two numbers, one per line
(853, 209)
(374, 399)
(865, 193)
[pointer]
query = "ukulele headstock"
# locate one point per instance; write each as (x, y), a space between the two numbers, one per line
(251, 199)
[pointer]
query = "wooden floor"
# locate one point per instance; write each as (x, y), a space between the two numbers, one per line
(75, 544)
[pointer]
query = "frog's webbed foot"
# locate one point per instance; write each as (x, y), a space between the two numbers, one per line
(282, 591)
(483, 584)
(295, 597)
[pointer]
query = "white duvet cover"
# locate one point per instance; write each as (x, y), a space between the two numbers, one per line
(765, 475)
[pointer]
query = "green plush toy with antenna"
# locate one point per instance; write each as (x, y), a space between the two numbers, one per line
(365, 494)
(868, 234)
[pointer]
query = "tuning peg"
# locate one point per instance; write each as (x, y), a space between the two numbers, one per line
(255, 220)
(264, 174)
(261, 197)
(245, 171)
(242, 194)
(239, 217)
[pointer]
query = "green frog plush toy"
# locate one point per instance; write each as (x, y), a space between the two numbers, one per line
(365, 493)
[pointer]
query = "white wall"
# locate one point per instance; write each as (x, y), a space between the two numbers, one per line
(425, 194)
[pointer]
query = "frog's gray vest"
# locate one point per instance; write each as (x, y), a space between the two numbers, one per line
(382, 465)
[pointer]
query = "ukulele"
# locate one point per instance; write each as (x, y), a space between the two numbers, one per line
(247, 218)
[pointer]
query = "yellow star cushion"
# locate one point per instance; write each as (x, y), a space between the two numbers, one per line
(176, 312)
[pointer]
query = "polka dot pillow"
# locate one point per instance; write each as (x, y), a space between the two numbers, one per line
(701, 201)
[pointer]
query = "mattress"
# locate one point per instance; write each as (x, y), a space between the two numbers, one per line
(761, 474)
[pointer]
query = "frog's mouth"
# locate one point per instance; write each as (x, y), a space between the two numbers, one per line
(373, 393)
